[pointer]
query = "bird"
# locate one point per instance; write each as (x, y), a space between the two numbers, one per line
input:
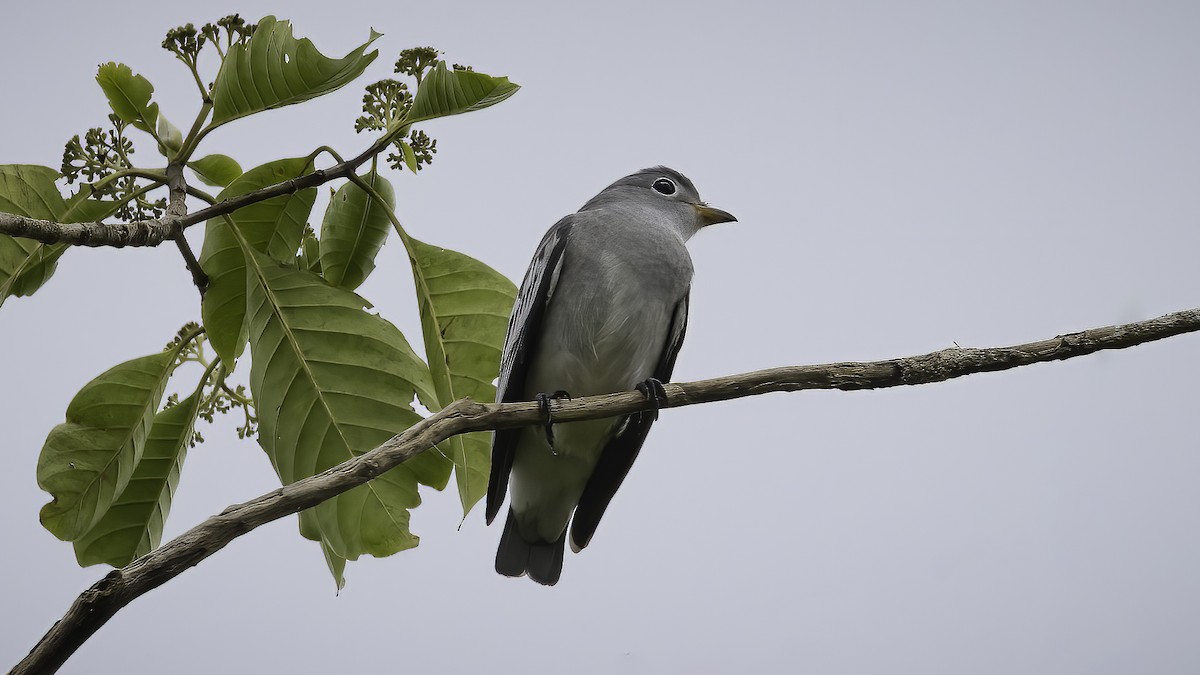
(602, 308)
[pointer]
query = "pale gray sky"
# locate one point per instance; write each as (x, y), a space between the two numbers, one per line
(906, 175)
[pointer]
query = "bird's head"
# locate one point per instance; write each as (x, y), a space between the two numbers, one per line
(664, 188)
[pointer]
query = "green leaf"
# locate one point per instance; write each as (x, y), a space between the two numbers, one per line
(274, 226)
(274, 69)
(336, 564)
(133, 525)
(87, 461)
(332, 381)
(446, 92)
(353, 231)
(465, 306)
(309, 529)
(29, 190)
(25, 264)
(216, 170)
(170, 138)
(129, 96)
(309, 257)
(81, 208)
(410, 157)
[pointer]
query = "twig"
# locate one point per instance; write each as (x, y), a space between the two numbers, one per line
(106, 597)
(156, 231)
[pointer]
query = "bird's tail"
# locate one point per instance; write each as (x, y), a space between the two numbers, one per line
(541, 560)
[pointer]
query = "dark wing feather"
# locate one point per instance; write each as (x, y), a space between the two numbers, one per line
(520, 344)
(618, 455)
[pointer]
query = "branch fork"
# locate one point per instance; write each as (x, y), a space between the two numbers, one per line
(154, 232)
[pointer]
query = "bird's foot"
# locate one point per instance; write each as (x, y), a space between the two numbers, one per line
(543, 400)
(654, 391)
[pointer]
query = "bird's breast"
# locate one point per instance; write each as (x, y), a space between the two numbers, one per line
(608, 320)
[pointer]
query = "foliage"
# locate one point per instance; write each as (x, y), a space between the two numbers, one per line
(328, 379)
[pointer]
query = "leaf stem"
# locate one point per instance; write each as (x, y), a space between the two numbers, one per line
(198, 130)
(331, 152)
(187, 338)
(201, 195)
(234, 395)
(149, 174)
(218, 381)
(208, 371)
(119, 203)
(204, 93)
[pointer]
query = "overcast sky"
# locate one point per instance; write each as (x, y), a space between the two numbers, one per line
(907, 176)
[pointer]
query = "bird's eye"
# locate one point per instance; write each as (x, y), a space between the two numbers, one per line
(664, 186)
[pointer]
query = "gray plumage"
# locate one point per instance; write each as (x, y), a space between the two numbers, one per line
(602, 308)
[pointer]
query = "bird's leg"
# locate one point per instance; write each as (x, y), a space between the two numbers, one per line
(653, 390)
(543, 400)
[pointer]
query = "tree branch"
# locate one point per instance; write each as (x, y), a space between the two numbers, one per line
(119, 235)
(120, 587)
(177, 208)
(156, 231)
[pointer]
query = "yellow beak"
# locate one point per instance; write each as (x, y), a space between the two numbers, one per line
(710, 216)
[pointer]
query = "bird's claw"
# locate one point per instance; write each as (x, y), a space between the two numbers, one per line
(655, 392)
(543, 400)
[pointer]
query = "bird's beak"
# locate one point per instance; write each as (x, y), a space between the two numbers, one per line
(710, 216)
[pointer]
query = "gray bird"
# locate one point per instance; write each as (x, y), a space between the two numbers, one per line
(603, 308)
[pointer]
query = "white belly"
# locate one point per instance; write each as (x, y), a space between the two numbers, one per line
(546, 487)
(603, 353)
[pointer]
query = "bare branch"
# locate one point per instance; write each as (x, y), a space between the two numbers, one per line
(100, 602)
(199, 278)
(156, 231)
(177, 208)
(136, 233)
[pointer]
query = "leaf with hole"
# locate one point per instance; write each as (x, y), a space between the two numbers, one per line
(274, 69)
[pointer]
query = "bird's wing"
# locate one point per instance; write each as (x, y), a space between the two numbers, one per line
(618, 455)
(520, 344)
